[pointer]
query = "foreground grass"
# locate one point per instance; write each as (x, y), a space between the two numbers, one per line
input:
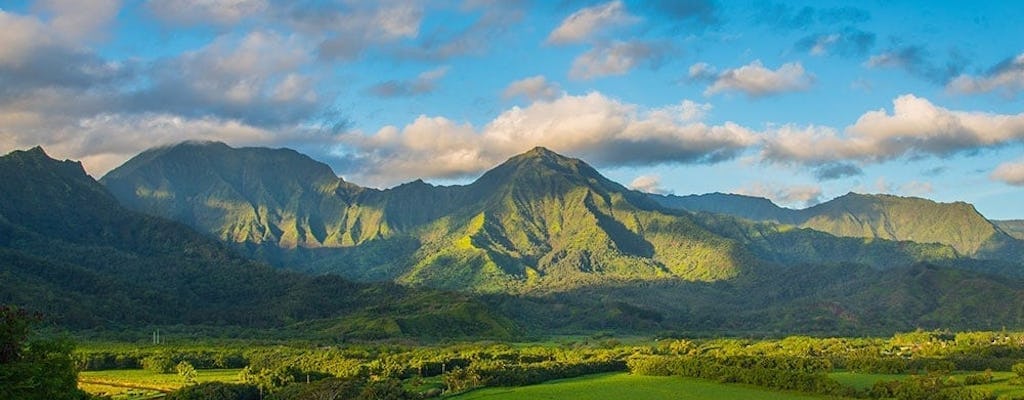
(626, 386)
(141, 384)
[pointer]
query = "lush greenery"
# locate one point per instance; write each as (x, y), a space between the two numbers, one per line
(627, 386)
(33, 367)
(69, 250)
(915, 365)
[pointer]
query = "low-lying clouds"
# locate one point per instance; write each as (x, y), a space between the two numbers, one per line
(599, 129)
(648, 184)
(915, 128)
(785, 195)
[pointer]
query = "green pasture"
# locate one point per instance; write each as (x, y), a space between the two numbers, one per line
(627, 386)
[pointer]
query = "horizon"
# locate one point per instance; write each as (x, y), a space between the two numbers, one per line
(474, 179)
(794, 102)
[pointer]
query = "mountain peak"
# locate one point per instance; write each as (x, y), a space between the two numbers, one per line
(541, 151)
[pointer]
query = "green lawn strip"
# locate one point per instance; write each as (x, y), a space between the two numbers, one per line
(143, 379)
(862, 381)
(626, 386)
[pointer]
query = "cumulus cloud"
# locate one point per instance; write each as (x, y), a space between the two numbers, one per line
(424, 83)
(221, 12)
(583, 24)
(794, 195)
(648, 184)
(347, 31)
(915, 128)
(533, 88)
(1010, 173)
(1007, 77)
(617, 58)
(252, 77)
(594, 127)
(757, 81)
(702, 71)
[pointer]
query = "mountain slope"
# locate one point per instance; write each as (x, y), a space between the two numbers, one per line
(888, 217)
(68, 249)
(541, 219)
(1014, 228)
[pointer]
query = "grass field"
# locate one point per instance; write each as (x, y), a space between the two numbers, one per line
(864, 381)
(626, 386)
(138, 384)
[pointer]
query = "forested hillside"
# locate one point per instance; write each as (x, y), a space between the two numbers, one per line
(69, 250)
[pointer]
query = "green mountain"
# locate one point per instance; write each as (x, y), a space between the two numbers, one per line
(958, 225)
(538, 222)
(577, 252)
(71, 251)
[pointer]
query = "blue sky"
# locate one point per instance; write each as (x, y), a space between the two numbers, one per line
(797, 102)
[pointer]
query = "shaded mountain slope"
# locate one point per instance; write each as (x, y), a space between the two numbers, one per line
(68, 249)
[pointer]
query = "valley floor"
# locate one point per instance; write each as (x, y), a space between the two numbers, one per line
(627, 386)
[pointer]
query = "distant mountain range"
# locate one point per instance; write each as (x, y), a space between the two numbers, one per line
(958, 225)
(541, 242)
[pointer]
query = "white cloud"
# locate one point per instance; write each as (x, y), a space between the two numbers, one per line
(785, 195)
(222, 12)
(594, 127)
(533, 88)
(616, 58)
(582, 24)
(757, 81)
(916, 127)
(1011, 173)
(647, 184)
(1007, 78)
(104, 141)
(702, 71)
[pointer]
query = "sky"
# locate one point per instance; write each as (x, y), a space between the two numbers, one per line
(796, 102)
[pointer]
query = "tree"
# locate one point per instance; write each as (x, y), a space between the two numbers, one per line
(187, 372)
(34, 368)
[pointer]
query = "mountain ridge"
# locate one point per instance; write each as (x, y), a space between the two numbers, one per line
(881, 216)
(538, 221)
(139, 270)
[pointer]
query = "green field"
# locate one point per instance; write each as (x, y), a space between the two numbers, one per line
(141, 384)
(626, 386)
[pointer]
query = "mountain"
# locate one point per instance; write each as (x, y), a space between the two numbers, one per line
(536, 223)
(71, 251)
(748, 207)
(1014, 228)
(958, 225)
(537, 220)
(557, 247)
